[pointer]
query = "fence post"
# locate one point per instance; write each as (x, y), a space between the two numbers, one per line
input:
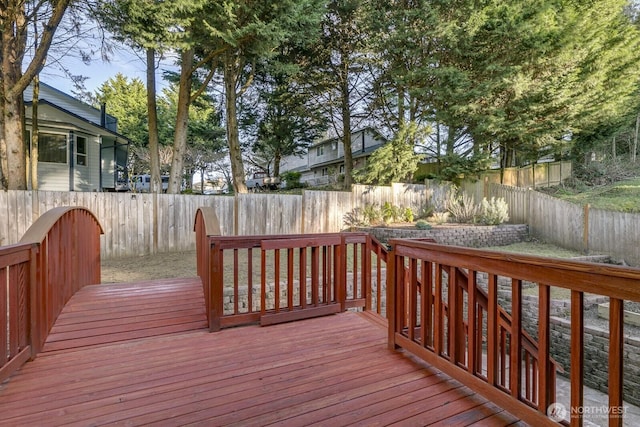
(585, 229)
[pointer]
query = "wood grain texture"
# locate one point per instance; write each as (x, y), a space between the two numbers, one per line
(334, 371)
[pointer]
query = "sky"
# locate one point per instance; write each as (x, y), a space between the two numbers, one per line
(123, 61)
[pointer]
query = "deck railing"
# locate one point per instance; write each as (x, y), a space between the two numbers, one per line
(437, 312)
(271, 279)
(58, 255)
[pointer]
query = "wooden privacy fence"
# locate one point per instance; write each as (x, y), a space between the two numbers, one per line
(272, 279)
(142, 223)
(58, 255)
(573, 226)
(466, 336)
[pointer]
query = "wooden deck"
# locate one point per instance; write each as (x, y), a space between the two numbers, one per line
(139, 354)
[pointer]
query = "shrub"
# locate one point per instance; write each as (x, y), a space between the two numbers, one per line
(390, 213)
(292, 179)
(354, 218)
(407, 215)
(462, 207)
(494, 211)
(423, 225)
(440, 217)
(371, 214)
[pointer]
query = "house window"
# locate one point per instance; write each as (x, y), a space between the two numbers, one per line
(81, 151)
(325, 171)
(52, 148)
(320, 150)
(341, 168)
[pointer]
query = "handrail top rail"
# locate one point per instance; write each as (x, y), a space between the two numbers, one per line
(243, 241)
(211, 222)
(39, 229)
(18, 252)
(580, 276)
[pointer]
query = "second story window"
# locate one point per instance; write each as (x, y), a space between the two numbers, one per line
(319, 150)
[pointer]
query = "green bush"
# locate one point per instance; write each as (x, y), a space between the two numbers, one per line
(423, 225)
(390, 213)
(292, 180)
(494, 211)
(371, 214)
(407, 215)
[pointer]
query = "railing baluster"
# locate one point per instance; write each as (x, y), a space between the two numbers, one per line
(263, 282)
(452, 316)
(412, 297)
(544, 313)
(250, 280)
(290, 279)
(276, 280)
(577, 356)
(438, 328)
(616, 353)
(492, 329)
(303, 277)
(515, 357)
(236, 284)
(471, 322)
(315, 276)
(426, 304)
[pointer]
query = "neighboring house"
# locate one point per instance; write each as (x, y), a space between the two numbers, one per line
(79, 147)
(324, 161)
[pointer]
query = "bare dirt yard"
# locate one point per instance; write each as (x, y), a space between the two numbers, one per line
(157, 266)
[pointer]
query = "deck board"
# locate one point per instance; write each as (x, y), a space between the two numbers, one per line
(139, 368)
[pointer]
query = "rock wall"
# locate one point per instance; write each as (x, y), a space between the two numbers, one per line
(478, 236)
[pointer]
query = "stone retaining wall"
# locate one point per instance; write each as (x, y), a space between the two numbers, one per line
(596, 344)
(476, 236)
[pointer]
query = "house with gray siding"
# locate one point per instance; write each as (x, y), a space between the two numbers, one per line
(324, 161)
(79, 147)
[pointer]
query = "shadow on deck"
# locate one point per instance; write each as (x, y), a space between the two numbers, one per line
(140, 353)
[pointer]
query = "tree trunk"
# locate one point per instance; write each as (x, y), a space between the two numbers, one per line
(152, 112)
(182, 121)
(634, 151)
(33, 158)
(614, 150)
(233, 139)
(13, 40)
(276, 164)
(12, 153)
(346, 129)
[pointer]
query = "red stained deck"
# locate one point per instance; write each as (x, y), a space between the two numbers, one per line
(139, 354)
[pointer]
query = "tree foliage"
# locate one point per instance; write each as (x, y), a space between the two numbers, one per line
(125, 99)
(235, 36)
(396, 161)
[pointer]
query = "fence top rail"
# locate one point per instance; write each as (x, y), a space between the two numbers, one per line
(602, 279)
(39, 229)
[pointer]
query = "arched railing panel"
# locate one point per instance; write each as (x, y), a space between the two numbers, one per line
(57, 256)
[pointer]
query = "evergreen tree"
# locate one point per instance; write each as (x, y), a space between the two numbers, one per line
(236, 35)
